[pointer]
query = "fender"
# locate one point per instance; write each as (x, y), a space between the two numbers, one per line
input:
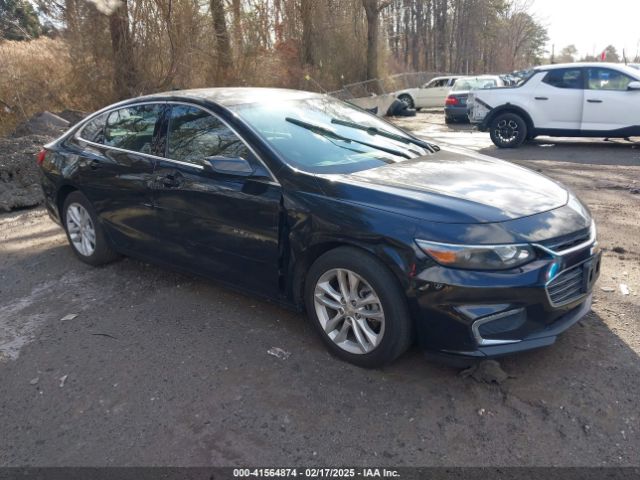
(398, 260)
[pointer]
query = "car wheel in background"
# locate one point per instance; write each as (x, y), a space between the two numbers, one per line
(84, 232)
(449, 120)
(407, 100)
(358, 308)
(508, 130)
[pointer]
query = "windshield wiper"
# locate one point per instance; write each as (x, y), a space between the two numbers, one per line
(331, 134)
(383, 133)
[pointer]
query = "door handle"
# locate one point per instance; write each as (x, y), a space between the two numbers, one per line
(541, 98)
(592, 100)
(171, 180)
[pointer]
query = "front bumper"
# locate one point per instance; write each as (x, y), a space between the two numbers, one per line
(541, 338)
(479, 314)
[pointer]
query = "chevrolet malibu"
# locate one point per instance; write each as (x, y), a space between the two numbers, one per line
(296, 197)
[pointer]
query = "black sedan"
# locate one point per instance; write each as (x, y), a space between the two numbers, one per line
(305, 200)
(455, 105)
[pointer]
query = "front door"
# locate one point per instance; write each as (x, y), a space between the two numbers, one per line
(557, 100)
(608, 104)
(219, 224)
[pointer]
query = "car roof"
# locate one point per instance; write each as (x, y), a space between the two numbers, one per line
(580, 65)
(230, 96)
(616, 66)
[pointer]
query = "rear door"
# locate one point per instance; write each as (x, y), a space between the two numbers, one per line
(609, 105)
(116, 168)
(222, 225)
(558, 100)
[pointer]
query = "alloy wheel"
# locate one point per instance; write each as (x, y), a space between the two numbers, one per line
(507, 131)
(81, 229)
(349, 310)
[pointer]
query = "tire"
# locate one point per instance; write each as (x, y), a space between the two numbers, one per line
(77, 210)
(385, 315)
(449, 120)
(407, 100)
(508, 130)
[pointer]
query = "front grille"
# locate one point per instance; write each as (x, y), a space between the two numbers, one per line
(567, 286)
(565, 242)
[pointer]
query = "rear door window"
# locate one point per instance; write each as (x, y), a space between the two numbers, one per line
(564, 78)
(133, 128)
(195, 135)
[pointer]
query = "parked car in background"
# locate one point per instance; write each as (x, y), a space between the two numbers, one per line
(455, 106)
(429, 95)
(510, 80)
(567, 100)
(308, 201)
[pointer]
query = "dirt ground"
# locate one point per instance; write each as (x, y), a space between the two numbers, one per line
(131, 364)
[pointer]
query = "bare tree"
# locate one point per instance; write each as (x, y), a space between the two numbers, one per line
(306, 14)
(372, 9)
(223, 44)
(125, 76)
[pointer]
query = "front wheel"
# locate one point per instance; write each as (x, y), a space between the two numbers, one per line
(358, 308)
(508, 130)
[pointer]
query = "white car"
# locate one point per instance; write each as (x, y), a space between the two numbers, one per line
(430, 95)
(568, 100)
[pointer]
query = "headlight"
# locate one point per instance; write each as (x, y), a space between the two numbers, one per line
(478, 257)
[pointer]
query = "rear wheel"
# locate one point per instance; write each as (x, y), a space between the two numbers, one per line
(508, 130)
(84, 232)
(358, 308)
(449, 120)
(407, 100)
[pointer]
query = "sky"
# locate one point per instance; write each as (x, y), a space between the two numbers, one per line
(591, 25)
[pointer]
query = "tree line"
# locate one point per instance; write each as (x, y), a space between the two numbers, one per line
(120, 48)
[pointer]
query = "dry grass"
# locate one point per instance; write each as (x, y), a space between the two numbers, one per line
(34, 76)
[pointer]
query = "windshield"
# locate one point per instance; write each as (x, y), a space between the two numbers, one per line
(464, 84)
(303, 133)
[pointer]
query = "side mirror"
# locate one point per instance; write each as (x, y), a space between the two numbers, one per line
(633, 85)
(229, 165)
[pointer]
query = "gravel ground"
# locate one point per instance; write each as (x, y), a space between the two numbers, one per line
(131, 364)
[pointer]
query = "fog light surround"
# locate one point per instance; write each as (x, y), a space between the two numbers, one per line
(475, 328)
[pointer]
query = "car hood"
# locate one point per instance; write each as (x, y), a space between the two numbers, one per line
(452, 186)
